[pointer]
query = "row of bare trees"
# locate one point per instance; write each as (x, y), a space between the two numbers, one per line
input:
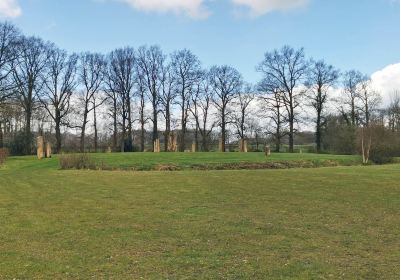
(292, 83)
(140, 89)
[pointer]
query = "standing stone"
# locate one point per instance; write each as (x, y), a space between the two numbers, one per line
(220, 145)
(267, 151)
(172, 145)
(194, 148)
(109, 150)
(175, 144)
(157, 145)
(243, 145)
(48, 150)
(40, 147)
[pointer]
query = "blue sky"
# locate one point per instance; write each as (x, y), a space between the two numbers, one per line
(360, 34)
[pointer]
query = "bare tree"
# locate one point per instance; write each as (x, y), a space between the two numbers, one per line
(348, 101)
(150, 62)
(141, 90)
(201, 106)
(167, 98)
(120, 84)
(273, 107)
(9, 37)
(91, 72)
(393, 112)
(59, 85)
(27, 71)
(112, 102)
(226, 83)
(242, 110)
(321, 78)
(186, 69)
(285, 69)
(195, 110)
(369, 99)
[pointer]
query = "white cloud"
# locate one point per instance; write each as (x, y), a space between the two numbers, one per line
(260, 7)
(190, 8)
(9, 9)
(387, 81)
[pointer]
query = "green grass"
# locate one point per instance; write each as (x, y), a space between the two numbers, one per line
(147, 161)
(328, 223)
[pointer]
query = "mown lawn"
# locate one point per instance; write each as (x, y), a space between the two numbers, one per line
(328, 223)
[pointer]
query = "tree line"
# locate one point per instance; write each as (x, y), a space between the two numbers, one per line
(43, 89)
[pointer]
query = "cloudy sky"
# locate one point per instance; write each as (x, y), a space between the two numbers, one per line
(359, 34)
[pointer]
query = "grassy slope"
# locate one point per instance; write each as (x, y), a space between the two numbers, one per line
(284, 224)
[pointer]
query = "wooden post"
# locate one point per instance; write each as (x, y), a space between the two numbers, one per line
(48, 150)
(40, 147)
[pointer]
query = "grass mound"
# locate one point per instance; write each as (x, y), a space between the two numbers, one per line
(202, 161)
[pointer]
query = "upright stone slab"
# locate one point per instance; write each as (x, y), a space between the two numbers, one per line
(48, 150)
(267, 151)
(172, 143)
(244, 146)
(194, 148)
(175, 144)
(40, 147)
(157, 145)
(109, 150)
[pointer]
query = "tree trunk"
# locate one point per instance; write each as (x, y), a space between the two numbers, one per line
(28, 134)
(142, 134)
(204, 143)
(155, 115)
(130, 135)
(182, 144)
(83, 131)
(123, 140)
(115, 132)
(223, 131)
(291, 130)
(196, 138)
(318, 132)
(1, 136)
(167, 127)
(95, 129)
(58, 132)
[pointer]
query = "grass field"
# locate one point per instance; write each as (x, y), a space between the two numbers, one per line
(327, 223)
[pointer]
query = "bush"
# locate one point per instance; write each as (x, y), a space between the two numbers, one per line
(381, 155)
(17, 145)
(76, 161)
(385, 144)
(3, 155)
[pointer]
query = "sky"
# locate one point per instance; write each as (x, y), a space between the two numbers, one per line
(350, 34)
